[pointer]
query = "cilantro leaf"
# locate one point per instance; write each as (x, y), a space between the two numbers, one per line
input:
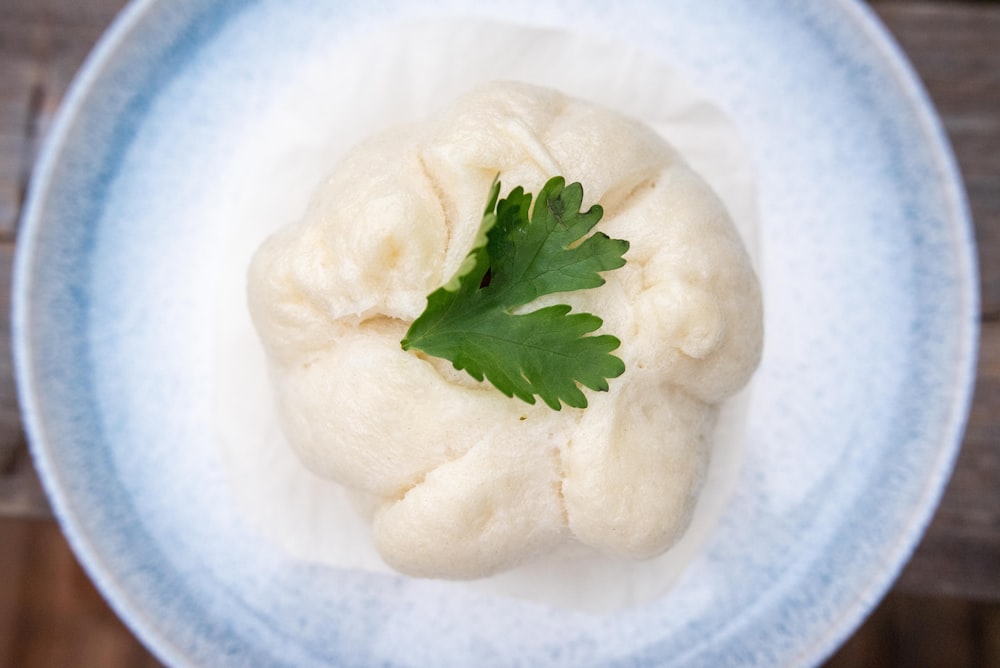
(521, 254)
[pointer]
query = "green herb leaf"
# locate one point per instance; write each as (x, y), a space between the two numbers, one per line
(519, 255)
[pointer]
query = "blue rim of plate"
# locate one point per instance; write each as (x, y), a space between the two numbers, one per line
(965, 367)
(34, 404)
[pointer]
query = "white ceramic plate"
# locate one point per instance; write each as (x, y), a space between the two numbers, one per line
(858, 408)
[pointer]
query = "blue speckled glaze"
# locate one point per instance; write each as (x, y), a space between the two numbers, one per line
(869, 277)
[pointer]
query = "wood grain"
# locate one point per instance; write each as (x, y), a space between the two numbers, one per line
(53, 614)
(21, 494)
(907, 631)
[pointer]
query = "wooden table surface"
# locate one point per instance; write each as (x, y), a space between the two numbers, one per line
(954, 48)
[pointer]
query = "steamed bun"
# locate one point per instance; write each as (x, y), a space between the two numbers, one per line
(459, 480)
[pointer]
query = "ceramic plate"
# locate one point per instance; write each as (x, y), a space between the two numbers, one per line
(857, 410)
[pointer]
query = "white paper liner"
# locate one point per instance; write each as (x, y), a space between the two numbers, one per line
(364, 84)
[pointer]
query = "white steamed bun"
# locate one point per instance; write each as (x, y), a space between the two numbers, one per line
(461, 481)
